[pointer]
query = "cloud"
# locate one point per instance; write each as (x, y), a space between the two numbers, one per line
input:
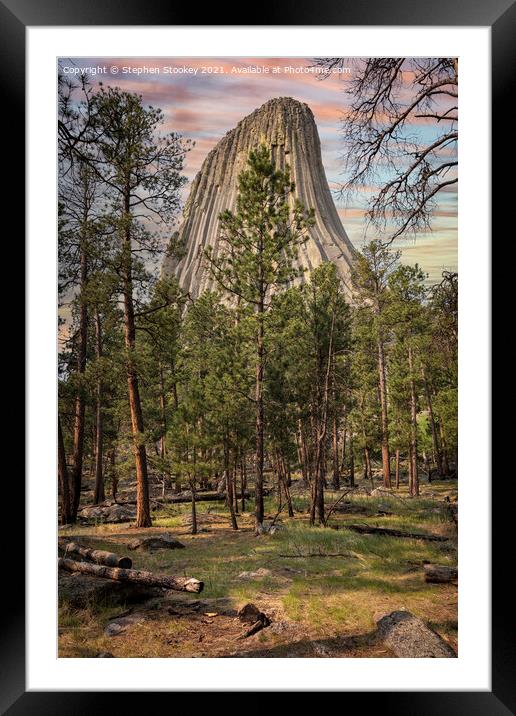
(205, 105)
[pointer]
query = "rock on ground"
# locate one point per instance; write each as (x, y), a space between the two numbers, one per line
(259, 574)
(120, 625)
(109, 512)
(409, 637)
(163, 541)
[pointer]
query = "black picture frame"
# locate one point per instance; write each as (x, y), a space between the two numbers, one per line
(499, 15)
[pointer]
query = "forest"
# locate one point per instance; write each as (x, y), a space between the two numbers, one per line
(283, 423)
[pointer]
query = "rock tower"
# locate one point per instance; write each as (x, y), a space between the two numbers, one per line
(289, 128)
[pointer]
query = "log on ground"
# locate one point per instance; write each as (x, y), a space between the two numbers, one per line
(99, 556)
(439, 574)
(179, 584)
(199, 497)
(387, 532)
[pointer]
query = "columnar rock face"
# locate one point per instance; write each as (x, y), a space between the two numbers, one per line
(288, 127)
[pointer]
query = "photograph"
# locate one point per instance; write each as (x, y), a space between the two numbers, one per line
(257, 352)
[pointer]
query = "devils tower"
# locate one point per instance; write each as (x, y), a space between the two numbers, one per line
(288, 128)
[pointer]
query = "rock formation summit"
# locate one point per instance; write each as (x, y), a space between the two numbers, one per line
(289, 128)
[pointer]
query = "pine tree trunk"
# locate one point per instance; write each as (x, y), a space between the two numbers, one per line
(386, 463)
(343, 455)
(234, 482)
(410, 466)
(444, 455)
(368, 470)
(258, 487)
(283, 481)
(143, 515)
(163, 439)
(112, 469)
(243, 481)
(397, 468)
(194, 508)
(64, 485)
(413, 426)
(351, 462)
(288, 472)
(78, 433)
(229, 486)
(335, 446)
(304, 455)
(99, 493)
(433, 427)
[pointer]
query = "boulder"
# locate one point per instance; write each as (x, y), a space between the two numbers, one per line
(120, 625)
(409, 637)
(270, 528)
(154, 542)
(259, 574)
(109, 512)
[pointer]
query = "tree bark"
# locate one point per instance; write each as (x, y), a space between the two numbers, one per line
(99, 493)
(304, 455)
(433, 427)
(143, 515)
(114, 478)
(368, 473)
(194, 509)
(335, 456)
(229, 487)
(284, 484)
(397, 468)
(437, 574)
(414, 491)
(370, 530)
(78, 433)
(243, 481)
(66, 511)
(386, 462)
(351, 461)
(258, 488)
(179, 584)
(110, 559)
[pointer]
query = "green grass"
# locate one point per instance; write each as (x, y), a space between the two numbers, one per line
(324, 594)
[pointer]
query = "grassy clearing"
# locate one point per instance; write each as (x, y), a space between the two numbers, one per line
(323, 595)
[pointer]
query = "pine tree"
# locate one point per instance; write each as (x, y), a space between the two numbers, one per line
(370, 276)
(142, 175)
(258, 251)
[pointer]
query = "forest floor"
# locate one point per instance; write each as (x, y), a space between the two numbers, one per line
(322, 588)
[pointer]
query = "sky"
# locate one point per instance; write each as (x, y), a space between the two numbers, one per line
(203, 98)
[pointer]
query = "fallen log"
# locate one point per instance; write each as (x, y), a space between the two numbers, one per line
(387, 532)
(317, 554)
(99, 556)
(199, 497)
(409, 638)
(179, 584)
(439, 574)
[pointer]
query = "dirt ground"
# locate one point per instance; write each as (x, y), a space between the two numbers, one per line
(323, 589)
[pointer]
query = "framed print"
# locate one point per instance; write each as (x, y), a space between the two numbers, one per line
(264, 253)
